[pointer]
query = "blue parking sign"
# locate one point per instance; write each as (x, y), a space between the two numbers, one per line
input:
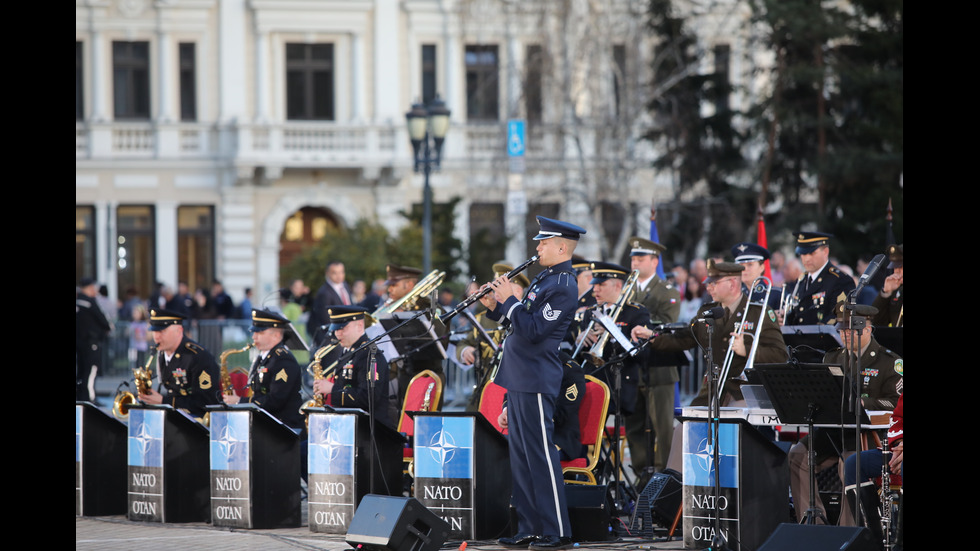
(515, 138)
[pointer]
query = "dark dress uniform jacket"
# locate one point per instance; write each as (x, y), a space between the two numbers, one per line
(191, 380)
(889, 308)
(540, 321)
(819, 298)
(771, 349)
(663, 301)
(275, 382)
(91, 331)
(568, 432)
(632, 314)
(351, 388)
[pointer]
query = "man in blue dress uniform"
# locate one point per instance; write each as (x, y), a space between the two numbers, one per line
(753, 257)
(531, 371)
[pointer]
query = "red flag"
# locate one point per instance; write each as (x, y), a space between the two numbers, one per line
(761, 239)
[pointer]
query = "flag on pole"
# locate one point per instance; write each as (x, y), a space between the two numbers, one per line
(761, 239)
(889, 233)
(655, 237)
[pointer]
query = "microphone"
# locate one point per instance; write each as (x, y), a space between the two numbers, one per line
(869, 272)
(717, 312)
(671, 326)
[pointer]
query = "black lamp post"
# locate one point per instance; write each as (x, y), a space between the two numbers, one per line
(425, 123)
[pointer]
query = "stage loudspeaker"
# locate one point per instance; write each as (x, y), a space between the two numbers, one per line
(589, 511)
(817, 537)
(392, 523)
(664, 492)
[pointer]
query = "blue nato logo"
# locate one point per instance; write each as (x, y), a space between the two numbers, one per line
(699, 455)
(332, 446)
(443, 447)
(145, 441)
(229, 440)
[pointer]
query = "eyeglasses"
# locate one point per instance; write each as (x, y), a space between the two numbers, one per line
(717, 281)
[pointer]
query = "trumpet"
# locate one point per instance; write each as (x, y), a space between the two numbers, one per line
(483, 292)
(424, 287)
(761, 283)
(597, 351)
(144, 381)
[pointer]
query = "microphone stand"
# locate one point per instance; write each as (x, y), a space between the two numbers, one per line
(856, 324)
(372, 373)
(718, 542)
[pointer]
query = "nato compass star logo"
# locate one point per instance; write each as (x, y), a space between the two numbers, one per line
(229, 445)
(145, 443)
(331, 452)
(705, 454)
(442, 447)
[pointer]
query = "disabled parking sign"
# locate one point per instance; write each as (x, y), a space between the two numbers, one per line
(515, 138)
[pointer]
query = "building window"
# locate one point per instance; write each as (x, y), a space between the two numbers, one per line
(482, 95)
(84, 242)
(79, 82)
(722, 54)
(304, 229)
(188, 82)
(429, 85)
(487, 238)
(309, 82)
(195, 245)
(136, 248)
(620, 89)
(131, 80)
(533, 69)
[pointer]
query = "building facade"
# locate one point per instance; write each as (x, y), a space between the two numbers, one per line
(213, 138)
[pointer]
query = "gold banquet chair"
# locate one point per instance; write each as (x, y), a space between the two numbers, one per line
(423, 394)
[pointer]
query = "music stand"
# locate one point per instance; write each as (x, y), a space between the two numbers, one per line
(809, 343)
(412, 336)
(810, 394)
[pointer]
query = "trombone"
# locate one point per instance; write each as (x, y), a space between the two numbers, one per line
(760, 284)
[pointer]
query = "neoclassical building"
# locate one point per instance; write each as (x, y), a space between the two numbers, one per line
(214, 138)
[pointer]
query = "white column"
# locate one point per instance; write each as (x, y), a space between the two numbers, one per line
(166, 77)
(231, 70)
(358, 71)
(98, 60)
(387, 66)
(262, 82)
(166, 242)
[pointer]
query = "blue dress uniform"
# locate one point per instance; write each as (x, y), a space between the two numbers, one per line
(276, 379)
(818, 295)
(751, 252)
(531, 371)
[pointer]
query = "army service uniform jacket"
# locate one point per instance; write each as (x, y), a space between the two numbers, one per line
(192, 378)
(663, 301)
(351, 387)
(275, 382)
(889, 308)
(818, 299)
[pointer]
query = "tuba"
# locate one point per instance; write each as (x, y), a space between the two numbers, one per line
(629, 289)
(144, 381)
(423, 288)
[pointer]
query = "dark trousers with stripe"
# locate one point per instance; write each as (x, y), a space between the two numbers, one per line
(538, 492)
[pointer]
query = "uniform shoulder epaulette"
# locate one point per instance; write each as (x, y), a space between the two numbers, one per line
(193, 347)
(281, 351)
(834, 270)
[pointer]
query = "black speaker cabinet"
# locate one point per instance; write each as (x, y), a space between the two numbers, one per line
(394, 523)
(816, 537)
(589, 511)
(659, 502)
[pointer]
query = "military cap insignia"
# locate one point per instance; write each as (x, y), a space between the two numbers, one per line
(205, 381)
(571, 393)
(281, 376)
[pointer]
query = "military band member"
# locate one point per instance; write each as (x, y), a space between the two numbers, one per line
(275, 377)
(401, 280)
(92, 330)
(659, 373)
(821, 286)
(881, 385)
(356, 383)
(724, 284)
(607, 285)
(473, 349)
(531, 371)
(890, 301)
(190, 379)
(753, 257)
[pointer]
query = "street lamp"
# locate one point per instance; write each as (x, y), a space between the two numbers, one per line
(425, 123)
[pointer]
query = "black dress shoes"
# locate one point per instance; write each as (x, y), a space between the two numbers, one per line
(519, 541)
(552, 542)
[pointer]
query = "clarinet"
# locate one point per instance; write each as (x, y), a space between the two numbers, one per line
(886, 495)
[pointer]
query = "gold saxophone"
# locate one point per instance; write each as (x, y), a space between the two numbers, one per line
(144, 381)
(316, 369)
(226, 385)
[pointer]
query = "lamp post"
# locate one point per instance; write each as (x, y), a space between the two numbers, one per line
(425, 123)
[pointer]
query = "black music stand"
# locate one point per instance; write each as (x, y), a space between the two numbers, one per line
(809, 343)
(810, 394)
(411, 337)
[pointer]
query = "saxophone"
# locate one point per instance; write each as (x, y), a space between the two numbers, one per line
(144, 381)
(316, 369)
(226, 386)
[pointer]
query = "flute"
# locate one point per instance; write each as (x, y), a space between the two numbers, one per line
(481, 293)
